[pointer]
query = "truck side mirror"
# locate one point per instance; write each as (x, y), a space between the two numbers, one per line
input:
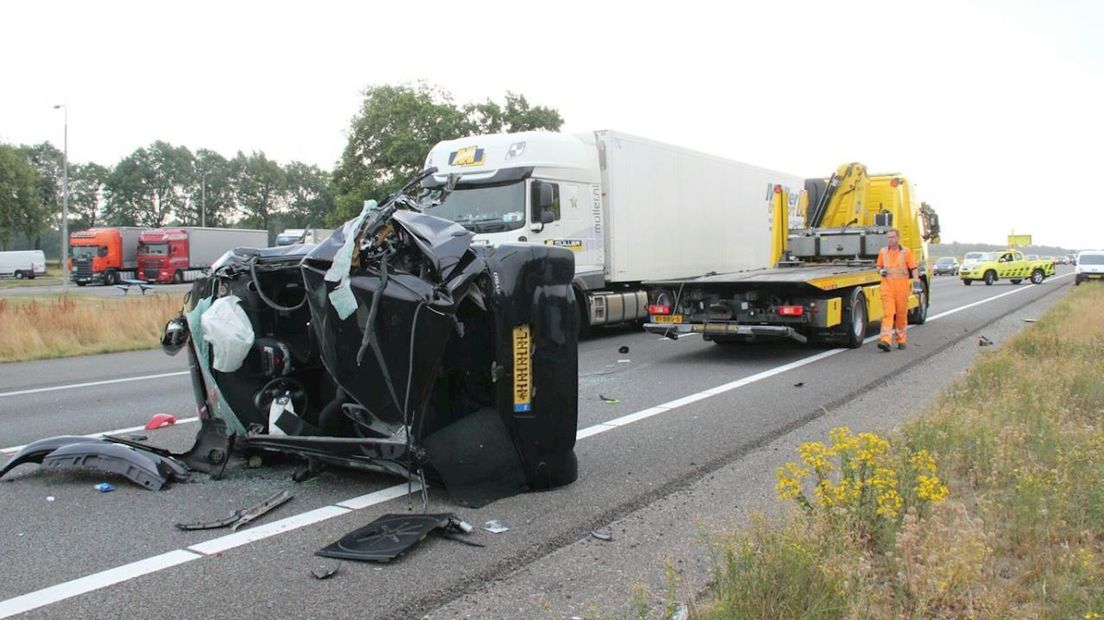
(540, 203)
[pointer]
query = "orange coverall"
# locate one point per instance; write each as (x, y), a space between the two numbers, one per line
(896, 287)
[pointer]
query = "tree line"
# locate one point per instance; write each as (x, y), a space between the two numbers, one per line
(167, 185)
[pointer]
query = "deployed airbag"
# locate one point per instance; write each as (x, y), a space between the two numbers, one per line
(226, 326)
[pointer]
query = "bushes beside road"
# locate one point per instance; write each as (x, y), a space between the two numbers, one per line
(62, 326)
(1018, 532)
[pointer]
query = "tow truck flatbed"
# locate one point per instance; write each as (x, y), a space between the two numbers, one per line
(809, 276)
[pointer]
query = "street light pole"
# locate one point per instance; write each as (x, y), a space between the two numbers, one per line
(65, 203)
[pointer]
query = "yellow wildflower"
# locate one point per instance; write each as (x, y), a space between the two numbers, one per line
(789, 481)
(816, 455)
(930, 488)
(922, 460)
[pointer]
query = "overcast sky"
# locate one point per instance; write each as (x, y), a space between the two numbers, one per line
(994, 109)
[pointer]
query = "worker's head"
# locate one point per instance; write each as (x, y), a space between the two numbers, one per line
(893, 237)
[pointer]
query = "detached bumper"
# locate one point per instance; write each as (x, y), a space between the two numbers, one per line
(724, 329)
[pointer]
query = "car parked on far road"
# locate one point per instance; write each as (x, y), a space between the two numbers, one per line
(946, 266)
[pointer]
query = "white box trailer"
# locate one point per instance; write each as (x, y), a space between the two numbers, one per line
(631, 209)
(22, 264)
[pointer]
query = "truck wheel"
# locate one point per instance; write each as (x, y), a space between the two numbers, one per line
(990, 278)
(81, 283)
(919, 315)
(967, 282)
(857, 320)
(18, 275)
(178, 277)
(110, 278)
(1037, 276)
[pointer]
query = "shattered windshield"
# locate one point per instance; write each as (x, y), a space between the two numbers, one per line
(485, 208)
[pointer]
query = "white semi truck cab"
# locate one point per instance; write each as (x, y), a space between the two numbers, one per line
(630, 209)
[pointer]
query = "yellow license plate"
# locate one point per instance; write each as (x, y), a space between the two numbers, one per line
(667, 318)
(523, 371)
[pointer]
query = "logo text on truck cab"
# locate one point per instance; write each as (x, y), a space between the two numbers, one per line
(467, 156)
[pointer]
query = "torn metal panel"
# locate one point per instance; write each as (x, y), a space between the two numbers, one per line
(241, 517)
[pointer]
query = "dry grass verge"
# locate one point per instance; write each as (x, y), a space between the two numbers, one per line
(67, 325)
(1020, 445)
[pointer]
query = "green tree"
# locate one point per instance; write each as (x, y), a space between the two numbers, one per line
(150, 186)
(394, 129)
(212, 190)
(20, 202)
(86, 190)
(259, 188)
(48, 163)
(310, 197)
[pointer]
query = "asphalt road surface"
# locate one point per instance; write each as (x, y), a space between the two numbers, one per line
(686, 408)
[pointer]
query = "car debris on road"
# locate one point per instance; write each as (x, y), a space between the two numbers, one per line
(390, 536)
(241, 517)
(146, 466)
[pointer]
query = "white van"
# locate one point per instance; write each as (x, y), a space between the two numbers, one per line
(22, 264)
(1090, 266)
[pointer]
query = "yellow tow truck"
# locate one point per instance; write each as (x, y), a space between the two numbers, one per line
(824, 287)
(1010, 264)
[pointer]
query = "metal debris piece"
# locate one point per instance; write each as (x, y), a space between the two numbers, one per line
(241, 517)
(495, 526)
(799, 384)
(1029, 320)
(603, 533)
(608, 400)
(984, 342)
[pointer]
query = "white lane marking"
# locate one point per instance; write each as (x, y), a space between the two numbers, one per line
(53, 594)
(118, 431)
(73, 386)
(95, 581)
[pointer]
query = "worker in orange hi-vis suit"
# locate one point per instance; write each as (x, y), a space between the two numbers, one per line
(897, 267)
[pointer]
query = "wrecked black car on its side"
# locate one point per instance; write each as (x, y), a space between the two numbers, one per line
(396, 346)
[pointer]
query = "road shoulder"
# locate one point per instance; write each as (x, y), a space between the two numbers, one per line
(661, 552)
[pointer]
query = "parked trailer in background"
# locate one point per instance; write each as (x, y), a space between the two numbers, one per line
(183, 254)
(21, 264)
(104, 255)
(630, 209)
(292, 236)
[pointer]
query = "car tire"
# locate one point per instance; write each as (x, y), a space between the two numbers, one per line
(967, 282)
(990, 278)
(1016, 280)
(110, 278)
(1037, 276)
(857, 320)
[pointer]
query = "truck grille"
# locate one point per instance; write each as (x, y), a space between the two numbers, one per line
(150, 273)
(83, 268)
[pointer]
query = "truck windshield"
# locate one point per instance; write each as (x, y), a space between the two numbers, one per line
(1091, 259)
(154, 249)
(485, 208)
(87, 251)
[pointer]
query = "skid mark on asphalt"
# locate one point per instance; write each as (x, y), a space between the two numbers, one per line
(126, 572)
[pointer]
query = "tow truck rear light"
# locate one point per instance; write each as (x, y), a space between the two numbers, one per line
(895, 182)
(791, 310)
(659, 309)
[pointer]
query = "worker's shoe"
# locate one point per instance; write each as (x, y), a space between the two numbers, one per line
(883, 345)
(901, 346)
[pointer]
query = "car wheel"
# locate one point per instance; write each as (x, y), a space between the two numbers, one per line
(990, 278)
(967, 282)
(857, 325)
(1016, 280)
(1037, 276)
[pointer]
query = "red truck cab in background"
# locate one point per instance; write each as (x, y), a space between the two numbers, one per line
(183, 254)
